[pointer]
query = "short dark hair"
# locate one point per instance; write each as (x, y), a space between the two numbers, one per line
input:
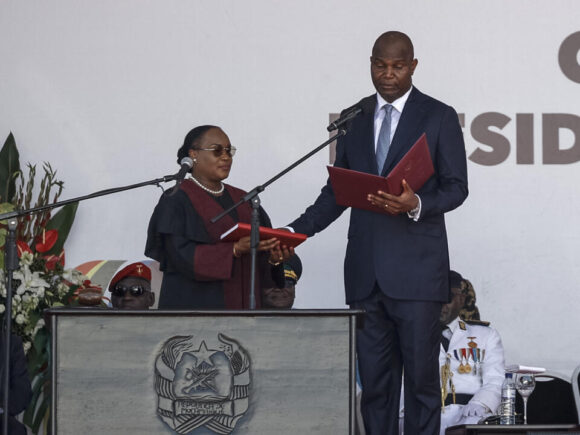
(455, 281)
(191, 140)
(392, 36)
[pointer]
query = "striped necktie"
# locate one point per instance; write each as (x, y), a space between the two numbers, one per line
(384, 142)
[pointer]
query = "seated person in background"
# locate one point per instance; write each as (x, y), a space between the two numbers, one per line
(131, 288)
(471, 359)
(283, 298)
(20, 389)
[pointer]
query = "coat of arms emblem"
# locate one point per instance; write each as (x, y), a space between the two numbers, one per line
(202, 383)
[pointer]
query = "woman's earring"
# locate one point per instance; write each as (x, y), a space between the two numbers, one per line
(194, 160)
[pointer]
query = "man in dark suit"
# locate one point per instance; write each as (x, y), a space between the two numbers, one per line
(396, 265)
(20, 389)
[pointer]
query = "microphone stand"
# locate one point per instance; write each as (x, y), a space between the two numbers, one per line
(252, 197)
(11, 264)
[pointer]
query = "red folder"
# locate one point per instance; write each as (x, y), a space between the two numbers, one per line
(352, 187)
(286, 238)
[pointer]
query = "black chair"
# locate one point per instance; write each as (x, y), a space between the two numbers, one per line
(552, 401)
(576, 389)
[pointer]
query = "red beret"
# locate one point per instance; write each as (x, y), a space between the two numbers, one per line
(138, 270)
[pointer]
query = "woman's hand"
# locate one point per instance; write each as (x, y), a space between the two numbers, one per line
(242, 246)
(280, 254)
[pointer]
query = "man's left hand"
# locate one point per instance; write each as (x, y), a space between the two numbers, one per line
(393, 204)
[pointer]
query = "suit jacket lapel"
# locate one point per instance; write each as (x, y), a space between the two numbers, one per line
(409, 125)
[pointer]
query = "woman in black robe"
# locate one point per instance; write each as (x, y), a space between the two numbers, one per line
(199, 271)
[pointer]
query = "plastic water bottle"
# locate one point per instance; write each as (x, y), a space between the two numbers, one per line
(508, 400)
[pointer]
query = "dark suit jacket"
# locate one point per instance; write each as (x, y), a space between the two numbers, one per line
(409, 260)
(20, 390)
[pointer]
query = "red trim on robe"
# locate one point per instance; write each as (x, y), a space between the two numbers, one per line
(236, 272)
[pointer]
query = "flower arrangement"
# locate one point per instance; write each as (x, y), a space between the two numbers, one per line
(41, 281)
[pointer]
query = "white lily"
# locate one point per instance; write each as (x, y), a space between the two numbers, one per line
(62, 289)
(74, 276)
(29, 281)
(27, 258)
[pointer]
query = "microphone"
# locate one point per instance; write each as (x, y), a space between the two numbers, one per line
(186, 165)
(348, 114)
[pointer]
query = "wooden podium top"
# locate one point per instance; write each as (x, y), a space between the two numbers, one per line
(98, 311)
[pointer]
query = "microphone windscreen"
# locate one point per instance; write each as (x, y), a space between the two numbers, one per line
(187, 161)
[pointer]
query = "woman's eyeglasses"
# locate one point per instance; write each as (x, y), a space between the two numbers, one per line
(135, 290)
(219, 149)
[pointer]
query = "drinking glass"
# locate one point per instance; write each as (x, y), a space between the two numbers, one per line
(525, 384)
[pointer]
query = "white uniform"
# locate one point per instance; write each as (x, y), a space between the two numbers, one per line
(468, 344)
(484, 379)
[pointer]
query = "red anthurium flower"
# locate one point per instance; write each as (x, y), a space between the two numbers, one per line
(53, 260)
(22, 247)
(50, 262)
(46, 241)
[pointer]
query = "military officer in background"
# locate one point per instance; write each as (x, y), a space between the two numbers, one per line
(471, 359)
(131, 288)
(283, 298)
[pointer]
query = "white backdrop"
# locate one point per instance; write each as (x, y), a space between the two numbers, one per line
(105, 91)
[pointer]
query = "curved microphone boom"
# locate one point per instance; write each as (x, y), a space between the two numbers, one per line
(346, 116)
(186, 165)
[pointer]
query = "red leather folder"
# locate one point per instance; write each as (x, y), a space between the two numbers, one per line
(286, 238)
(352, 187)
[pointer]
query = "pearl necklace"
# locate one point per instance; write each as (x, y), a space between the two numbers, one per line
(207, 189)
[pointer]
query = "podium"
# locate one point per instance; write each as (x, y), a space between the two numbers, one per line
(203, 372)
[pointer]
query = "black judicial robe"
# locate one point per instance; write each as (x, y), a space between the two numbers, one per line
(199, 271)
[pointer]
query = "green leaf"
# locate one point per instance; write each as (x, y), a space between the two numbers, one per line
(5, 207)
(41, 413)
(38, 355)
(34, 317)
(62, 222)
(41, 340)
(9, 166)
(40, 387)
